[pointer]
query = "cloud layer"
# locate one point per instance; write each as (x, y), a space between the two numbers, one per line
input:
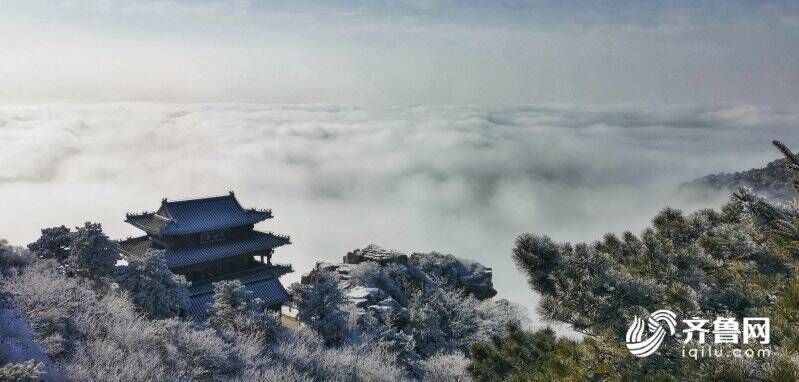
(389, 52)
(458, 179)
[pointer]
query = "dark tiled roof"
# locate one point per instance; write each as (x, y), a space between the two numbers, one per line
(135, 246)
(178, 257)
(261, 282)
(148, 222)
(197, 215)
(248, 276)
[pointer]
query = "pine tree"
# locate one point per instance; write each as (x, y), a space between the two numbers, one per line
(92, 254)
(12, 258)
(54, 243)
(235, 310)
(526, 356)
(152, 286)
(319, 306)
(739, 261)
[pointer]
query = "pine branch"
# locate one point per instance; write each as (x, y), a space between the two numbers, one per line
(785, 151)
(794, 161)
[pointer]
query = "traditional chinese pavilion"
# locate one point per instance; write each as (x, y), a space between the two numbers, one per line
(209, 240)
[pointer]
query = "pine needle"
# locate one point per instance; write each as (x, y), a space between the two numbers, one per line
(785, 151)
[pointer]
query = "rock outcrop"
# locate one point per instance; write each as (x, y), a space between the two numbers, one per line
(377, 254)
(472, 277)
(433, 270)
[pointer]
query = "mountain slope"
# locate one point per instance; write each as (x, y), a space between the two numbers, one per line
(773, 181)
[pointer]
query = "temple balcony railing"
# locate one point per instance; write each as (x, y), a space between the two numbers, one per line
(287, 268)
(274, 270)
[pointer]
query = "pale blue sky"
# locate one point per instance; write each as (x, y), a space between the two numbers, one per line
(401, 52)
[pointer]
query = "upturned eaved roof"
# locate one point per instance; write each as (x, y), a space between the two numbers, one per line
(197, 215)
(178, 257)
(261, 282)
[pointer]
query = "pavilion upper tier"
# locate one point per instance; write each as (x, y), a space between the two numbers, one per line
(191, 216)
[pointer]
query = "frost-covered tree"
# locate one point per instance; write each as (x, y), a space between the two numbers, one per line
(92, 254)
(95, 337)
(445, 298)
(51, 303)
(707, 264)
(444, 321)
(152, 286)
(305, 353)
(445, 368)
(391, 338)
(738, 261)
(234, 309)
(526, 356)
(320, 307)
(17, 342)
(28, 371)
(428, 325)
(12, 258)
(54, 243)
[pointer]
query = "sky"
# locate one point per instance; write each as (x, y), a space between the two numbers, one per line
(400, 52)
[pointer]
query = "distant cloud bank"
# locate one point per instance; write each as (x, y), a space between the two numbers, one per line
(457, 179)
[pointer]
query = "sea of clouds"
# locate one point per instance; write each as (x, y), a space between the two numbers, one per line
(464, 180)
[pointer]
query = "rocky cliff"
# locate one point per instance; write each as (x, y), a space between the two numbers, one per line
(363, 286)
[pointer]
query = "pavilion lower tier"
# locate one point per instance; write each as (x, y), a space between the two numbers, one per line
(257, 242)
(262, 282)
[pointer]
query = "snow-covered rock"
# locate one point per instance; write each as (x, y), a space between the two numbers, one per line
(375, 253)
(434, 270)
(363, 296)
(388, 309)
(423, 304)
(470, 276)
